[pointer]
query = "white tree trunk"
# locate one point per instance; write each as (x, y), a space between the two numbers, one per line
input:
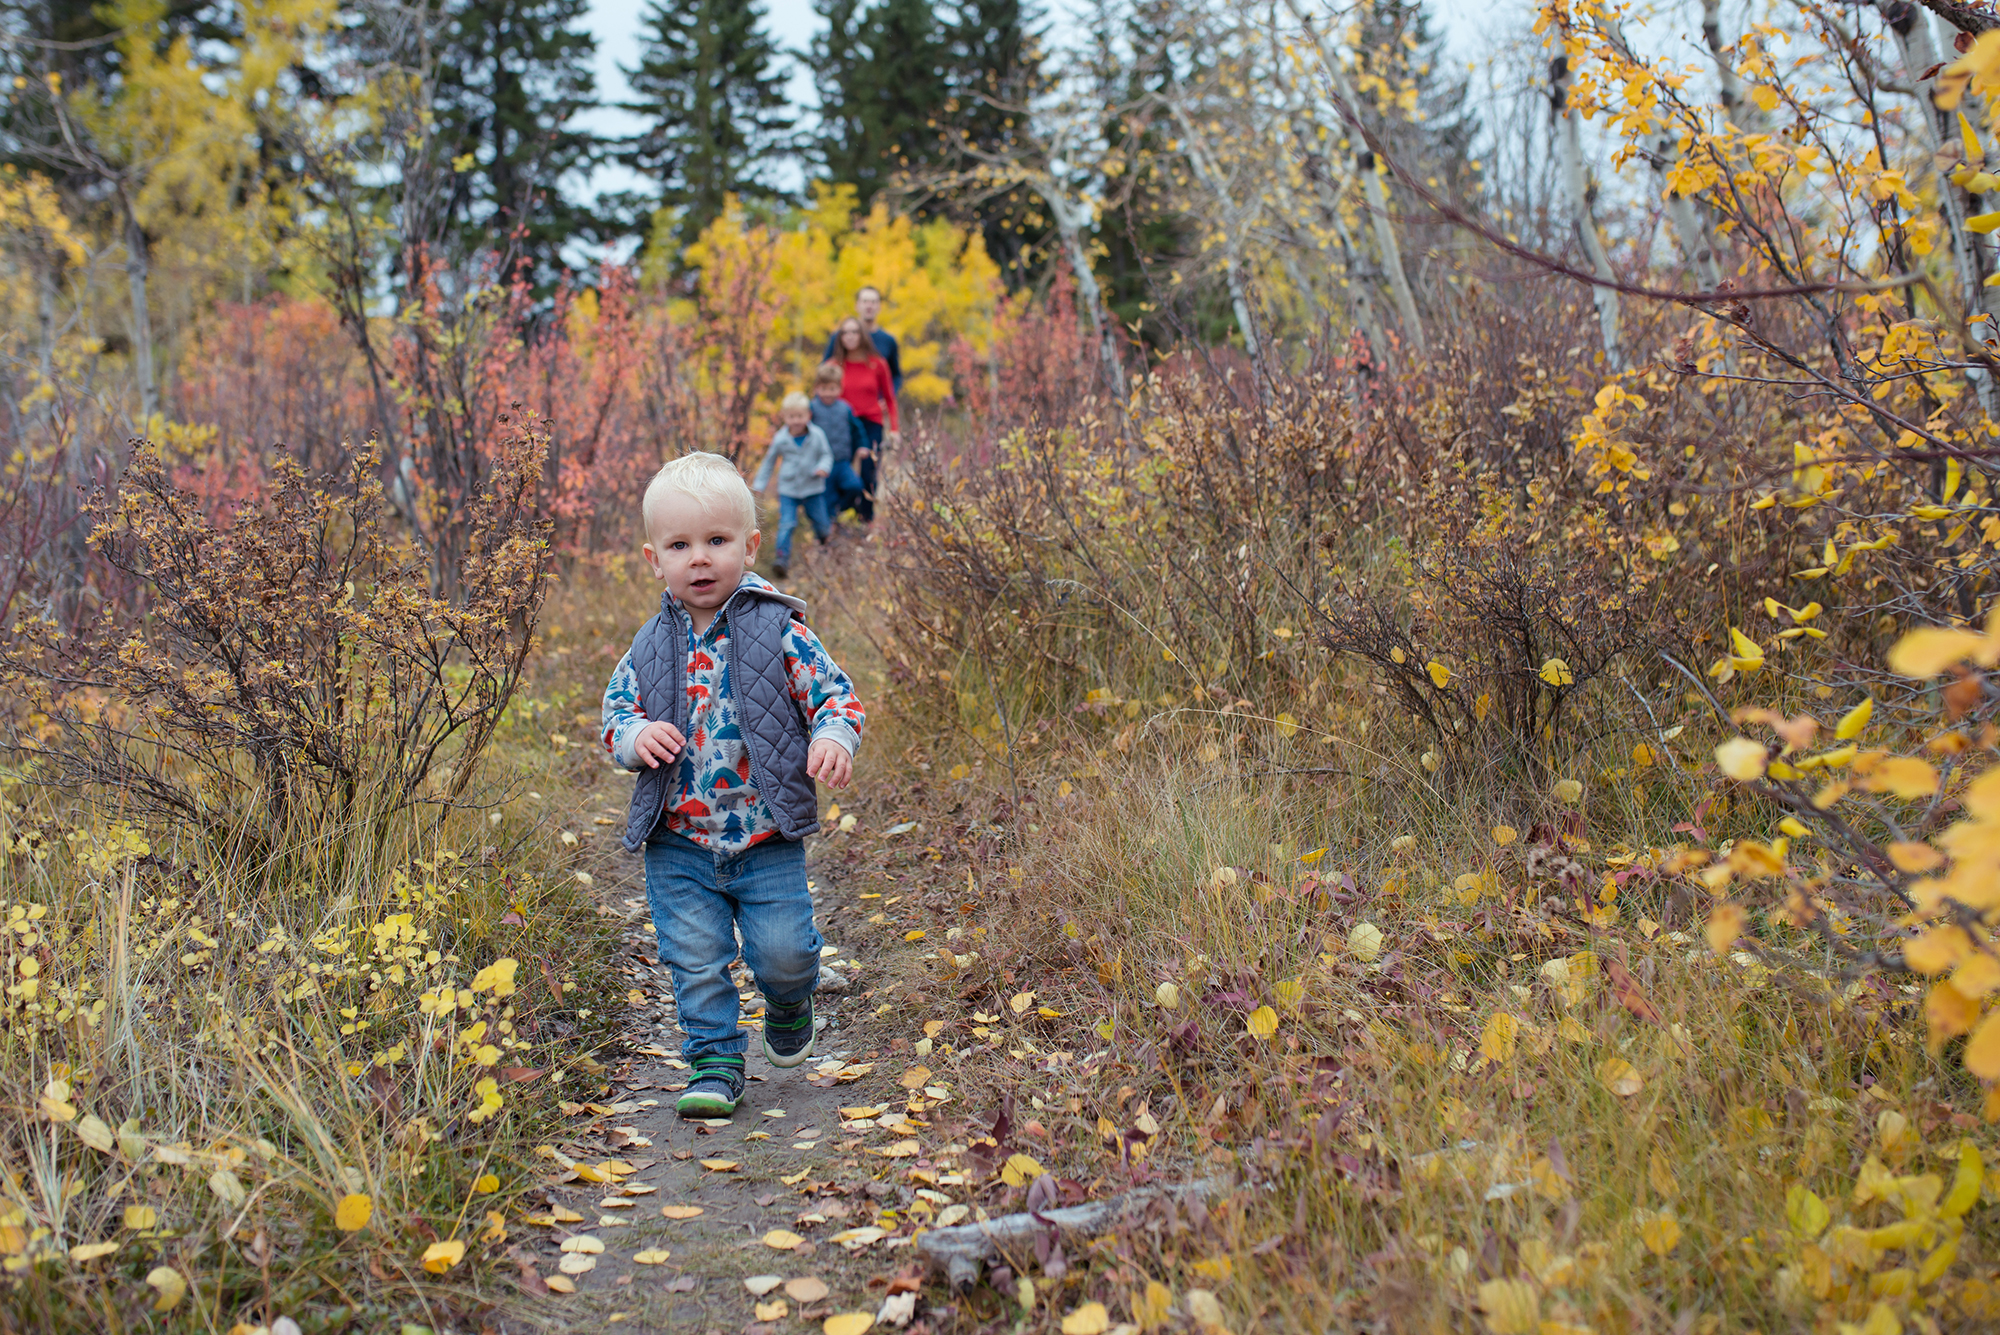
(1919, 53)
(1069, 226)
(1232, 230)
(1388, 251)
(1576, 184)
(138, 270)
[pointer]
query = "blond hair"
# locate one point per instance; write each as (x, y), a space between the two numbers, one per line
(827, 374)
(796, 400)
(708, 478)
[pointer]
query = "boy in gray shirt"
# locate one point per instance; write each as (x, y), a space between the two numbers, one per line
(803, 460)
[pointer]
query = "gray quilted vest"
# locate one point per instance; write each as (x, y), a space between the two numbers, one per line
(775, 732)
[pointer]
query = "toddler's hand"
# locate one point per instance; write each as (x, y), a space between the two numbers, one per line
(657, 743)
(821, 472)
(864, 454)
(829, 762)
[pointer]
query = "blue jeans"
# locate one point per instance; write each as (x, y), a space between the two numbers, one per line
(867, 470)
(701, 901)
(788, 519)
(846, 486)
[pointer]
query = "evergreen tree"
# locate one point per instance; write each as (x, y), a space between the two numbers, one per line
(885, 91)
(1141, 230)
(708, 80)
(996, 72)
(512, 77)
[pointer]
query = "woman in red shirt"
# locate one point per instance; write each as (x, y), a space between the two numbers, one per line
(865, 384)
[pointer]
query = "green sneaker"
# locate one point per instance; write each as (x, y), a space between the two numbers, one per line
(715, 1090)
(788, 1034)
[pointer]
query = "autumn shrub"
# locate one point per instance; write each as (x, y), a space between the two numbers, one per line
(263, 1092)
(293, 658)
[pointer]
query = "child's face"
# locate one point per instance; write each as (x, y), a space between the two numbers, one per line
(827, 392)
(701, 551)
(797, 420)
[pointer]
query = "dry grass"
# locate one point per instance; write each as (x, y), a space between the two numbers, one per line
(207, 1052)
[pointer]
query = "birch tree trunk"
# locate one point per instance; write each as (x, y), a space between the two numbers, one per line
(1232, 230)
(1388, 251)
(1576, 184)
(1911, 28)
(1069, 226)
(138, 273)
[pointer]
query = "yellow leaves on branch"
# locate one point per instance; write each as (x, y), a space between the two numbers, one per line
(1930, 650)
(497, 978)
(1745, 656)
(1556, 673)
(1742, 759)
(1725, 924)
(1978, 70)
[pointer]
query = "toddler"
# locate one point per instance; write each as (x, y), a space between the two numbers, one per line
(728, 707)
(804, 460)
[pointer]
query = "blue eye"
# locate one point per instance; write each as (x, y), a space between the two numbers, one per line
(677, 544)
(718, 542)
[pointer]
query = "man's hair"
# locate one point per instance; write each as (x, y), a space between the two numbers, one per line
(827, 374)
(795, 400)
(866, 288)
(710, 479)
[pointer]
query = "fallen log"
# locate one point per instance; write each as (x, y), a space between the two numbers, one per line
(964, 1249)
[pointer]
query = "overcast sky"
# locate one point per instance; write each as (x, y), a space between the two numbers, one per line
(1469, 27)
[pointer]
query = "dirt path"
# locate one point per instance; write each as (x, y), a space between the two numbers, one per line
(675, 1216)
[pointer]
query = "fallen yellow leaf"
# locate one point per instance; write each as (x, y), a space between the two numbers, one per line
(719, 1165)
(1497, 1043)
(651, 1256)
(1619, 1076)
(1262, 1022)
(782, 1240)
(680, 1211)
(847, 1323)
(168, 1283)
(1089, 1319)
(1020, 1169)
(442, 1256)
(353, 1213)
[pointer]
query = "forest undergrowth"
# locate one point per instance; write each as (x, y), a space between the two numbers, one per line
(1393, 813)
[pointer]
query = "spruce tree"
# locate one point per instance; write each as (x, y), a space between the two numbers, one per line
(709, 81)
(886, 92)
(512, 76)
(996, 72)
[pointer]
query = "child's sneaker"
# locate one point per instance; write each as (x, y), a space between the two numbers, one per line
(715, 1090)
(788, 1033)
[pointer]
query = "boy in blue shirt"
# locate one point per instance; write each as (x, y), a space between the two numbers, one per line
(844, 435)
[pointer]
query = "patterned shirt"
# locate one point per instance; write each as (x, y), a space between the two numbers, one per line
(714, 801)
